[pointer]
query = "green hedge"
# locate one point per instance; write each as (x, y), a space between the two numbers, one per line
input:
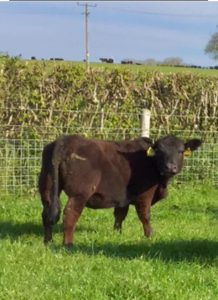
(42, 95)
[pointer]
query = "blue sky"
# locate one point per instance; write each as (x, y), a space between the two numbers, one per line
(118, 29)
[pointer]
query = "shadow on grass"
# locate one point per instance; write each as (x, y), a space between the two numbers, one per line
(200, 250)
(15, 230)
(203, 251)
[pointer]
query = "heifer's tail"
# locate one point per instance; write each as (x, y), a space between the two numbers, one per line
(55, 203)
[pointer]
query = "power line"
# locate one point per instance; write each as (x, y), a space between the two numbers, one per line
(86, 14)
(161, 13)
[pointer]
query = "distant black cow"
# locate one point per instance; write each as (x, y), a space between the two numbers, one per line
(103, 174)
(128, 62)
(106, 60)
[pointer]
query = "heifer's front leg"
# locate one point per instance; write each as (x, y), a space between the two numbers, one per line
(120, 214)
(143, 211)
(72, 212)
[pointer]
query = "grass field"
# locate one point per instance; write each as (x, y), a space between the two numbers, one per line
(179, 262)
(49, 65)
(163, 69)
(142, 68)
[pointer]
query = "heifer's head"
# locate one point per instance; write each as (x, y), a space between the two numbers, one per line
(169, 153)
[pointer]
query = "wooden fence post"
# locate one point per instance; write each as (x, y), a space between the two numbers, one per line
(145, 122)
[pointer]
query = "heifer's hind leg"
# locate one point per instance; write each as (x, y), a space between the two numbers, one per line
(72, 212)
(120, 214)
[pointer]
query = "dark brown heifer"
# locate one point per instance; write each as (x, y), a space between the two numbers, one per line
(103, 174)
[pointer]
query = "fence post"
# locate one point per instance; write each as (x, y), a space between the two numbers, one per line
(145, 122)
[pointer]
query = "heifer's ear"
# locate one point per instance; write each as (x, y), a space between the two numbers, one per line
(192, 144)
(145, 142)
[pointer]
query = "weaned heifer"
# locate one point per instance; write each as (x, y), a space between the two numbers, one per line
(103, 174)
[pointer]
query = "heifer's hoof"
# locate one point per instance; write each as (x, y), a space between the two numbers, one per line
(47, 241)
(149, 233)
(117, 227)
(68, 247)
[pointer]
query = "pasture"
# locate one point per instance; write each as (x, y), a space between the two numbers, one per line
(49, 65)
(158, 68)
(179, 262)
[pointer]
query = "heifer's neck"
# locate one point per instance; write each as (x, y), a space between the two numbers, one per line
(144, 173)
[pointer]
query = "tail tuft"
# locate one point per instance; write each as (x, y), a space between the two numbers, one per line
(54, 212)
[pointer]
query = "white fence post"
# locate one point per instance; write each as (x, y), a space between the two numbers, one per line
(145, 122)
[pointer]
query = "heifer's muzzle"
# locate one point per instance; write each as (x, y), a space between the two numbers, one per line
(169, 169)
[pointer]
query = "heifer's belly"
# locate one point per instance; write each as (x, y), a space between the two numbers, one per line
(110, 192)
(98, 201)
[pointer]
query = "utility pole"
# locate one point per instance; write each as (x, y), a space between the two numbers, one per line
(86, 13)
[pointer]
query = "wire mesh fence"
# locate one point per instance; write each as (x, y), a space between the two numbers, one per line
(21, 146)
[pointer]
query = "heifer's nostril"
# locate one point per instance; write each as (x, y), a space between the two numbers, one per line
(172, 168)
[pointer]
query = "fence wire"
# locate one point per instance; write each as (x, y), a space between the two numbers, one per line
(20, 149)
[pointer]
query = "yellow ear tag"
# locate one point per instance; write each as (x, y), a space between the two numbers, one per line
(150, 152)
(187, 152)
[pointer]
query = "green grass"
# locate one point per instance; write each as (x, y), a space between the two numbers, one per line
(179, 262)
(49, 65)
(163, 69)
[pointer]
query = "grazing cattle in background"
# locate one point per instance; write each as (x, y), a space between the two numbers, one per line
(107, 60)
(103, 174)
(128, 62)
